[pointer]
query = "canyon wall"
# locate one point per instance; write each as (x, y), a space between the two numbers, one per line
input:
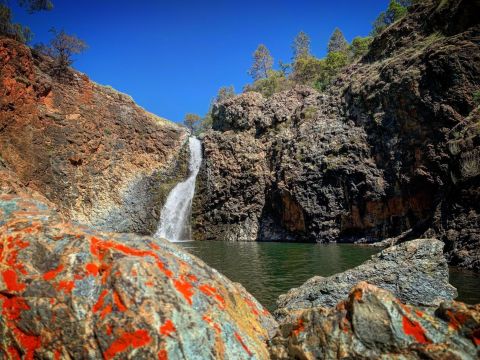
(389, 150)
(91, 151)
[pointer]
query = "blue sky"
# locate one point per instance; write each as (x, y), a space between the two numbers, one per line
(172, 56)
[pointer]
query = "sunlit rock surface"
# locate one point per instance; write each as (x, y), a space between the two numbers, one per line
(373, 324)
(416, 272)
(69, 292)
(89, 149)
(391, 148)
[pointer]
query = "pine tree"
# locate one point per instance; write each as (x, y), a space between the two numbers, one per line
(301, 46)
(337, 42)
(262, 63)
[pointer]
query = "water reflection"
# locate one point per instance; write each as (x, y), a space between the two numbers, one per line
(270, 269)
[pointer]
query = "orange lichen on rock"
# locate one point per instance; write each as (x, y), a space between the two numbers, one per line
(52, 274)
(92, 269)
(185, 288)
(213, 292)
(240, 340)
(11, 280)
(134, 339)
(66, 286)
(163, 355)
(167, 328)
(414, 329)
(299, 328)
(210, 322)
(118, 302)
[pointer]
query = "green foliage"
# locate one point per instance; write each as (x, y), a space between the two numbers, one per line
(396, 10)
(36, 5)
(262, 63)
(359, 46)
(476, 98)
(334, 62)
(337, 42)
(225, 93)
(191, 121)
(308, 70)
(13, 30)
(274, 83)
(205, 123)
(301, 46)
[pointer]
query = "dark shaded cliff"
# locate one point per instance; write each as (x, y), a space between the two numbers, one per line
(88, 149)
(390, 149)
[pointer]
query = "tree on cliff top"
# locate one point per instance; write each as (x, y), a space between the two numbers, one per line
(337, 42)
(396, 10)
(262, 63)
(61, 48)
(224, 93)
(36, 5)
(17, 31)
(13, 30)
(301, 46)
(191, 120)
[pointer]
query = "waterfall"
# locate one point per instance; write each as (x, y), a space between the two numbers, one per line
(175, 217)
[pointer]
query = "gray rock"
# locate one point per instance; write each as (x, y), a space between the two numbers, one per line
(416, 272)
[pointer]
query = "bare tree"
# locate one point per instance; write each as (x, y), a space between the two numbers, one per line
(62, 47)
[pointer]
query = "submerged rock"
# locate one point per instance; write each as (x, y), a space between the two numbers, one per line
(416, 272)
(373, 324)
(69, 292)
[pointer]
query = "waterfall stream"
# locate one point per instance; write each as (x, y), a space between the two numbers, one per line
(175, 217)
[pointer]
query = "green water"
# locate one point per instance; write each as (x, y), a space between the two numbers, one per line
(270, 269)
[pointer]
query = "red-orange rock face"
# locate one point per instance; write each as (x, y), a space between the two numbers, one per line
(69, 292)
(89, 149)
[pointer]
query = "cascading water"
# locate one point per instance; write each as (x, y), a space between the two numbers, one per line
(175, 217)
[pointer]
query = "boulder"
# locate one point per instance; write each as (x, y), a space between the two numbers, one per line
(67, 291)
(416, 272)
(374, 324)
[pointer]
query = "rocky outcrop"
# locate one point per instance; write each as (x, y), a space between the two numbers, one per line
(373, 324)
(69, 292)
(416, 272)
(391, 148)
(90, 150)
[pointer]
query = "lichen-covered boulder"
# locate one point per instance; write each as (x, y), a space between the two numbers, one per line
(373, 324)
(415, 271)
(69, 292)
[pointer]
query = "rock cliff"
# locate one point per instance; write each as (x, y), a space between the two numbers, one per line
(390, 149)
(88, 149)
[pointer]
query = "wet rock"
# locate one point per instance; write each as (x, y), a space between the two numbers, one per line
(416, 272)
(90, 150)
(69, 292)
(373, 324)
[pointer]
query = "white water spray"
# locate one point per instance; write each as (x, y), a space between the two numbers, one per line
(175, 217)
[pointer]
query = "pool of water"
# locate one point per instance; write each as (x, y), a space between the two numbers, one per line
(268, 270)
